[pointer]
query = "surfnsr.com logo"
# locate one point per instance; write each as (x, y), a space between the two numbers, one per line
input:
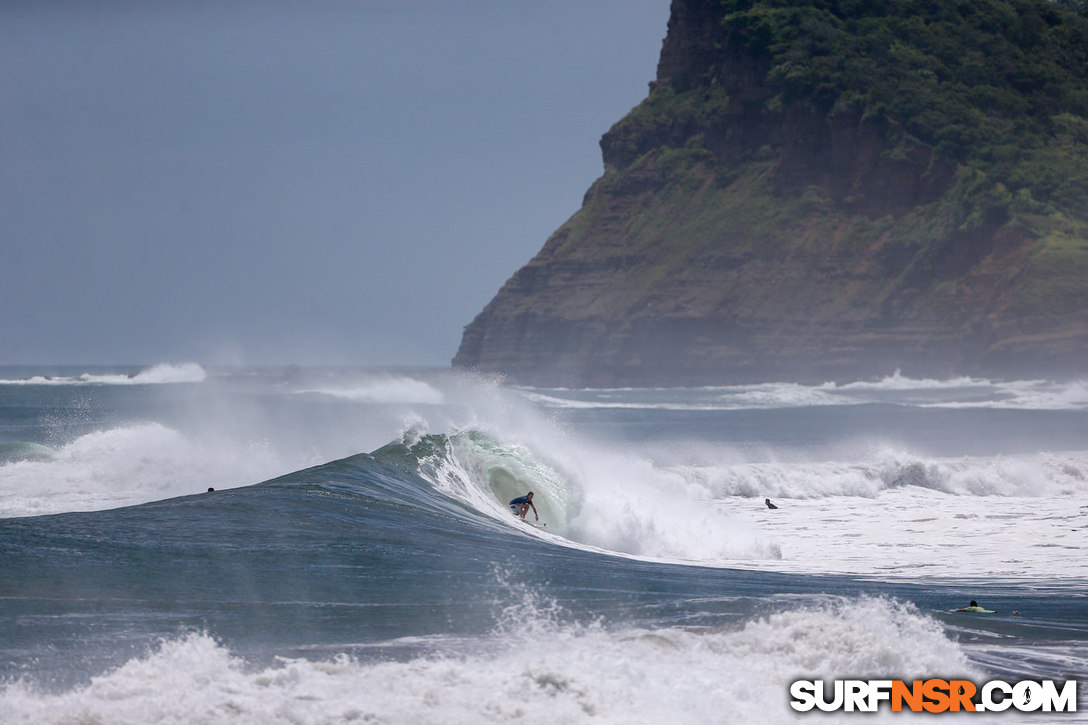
(934, 695)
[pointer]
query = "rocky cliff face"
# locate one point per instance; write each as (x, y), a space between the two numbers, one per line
(750, 226)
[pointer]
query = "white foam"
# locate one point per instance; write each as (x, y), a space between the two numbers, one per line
(740, 397)
(540, 672)
(1041, 474)
(383, 389)
(218, 435)
(998, 395)
(896, 388)
(488, 474)
(1031, 395)
(861, 509)
(905, 516)
(898, 381)
(129, 465)
(157, 375)
(916, 533)
(597, 499)
(889, 513)
(631, 506)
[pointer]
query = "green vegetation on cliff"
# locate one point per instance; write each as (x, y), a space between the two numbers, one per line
(1001, 85)
(832, 186)
(962, 76)
(997, 89)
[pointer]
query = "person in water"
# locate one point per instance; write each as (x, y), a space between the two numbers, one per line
(521, 505)
(974, 607)
(769, 504)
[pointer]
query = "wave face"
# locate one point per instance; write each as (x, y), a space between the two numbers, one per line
(317, 583)
(893, 513)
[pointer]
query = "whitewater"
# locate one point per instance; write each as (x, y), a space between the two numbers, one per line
(189, 544)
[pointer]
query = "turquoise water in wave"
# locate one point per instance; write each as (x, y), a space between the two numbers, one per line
(356, 561)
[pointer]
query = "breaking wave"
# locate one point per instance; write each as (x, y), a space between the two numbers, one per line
(896, 389)
(541, 671)
(157, 375)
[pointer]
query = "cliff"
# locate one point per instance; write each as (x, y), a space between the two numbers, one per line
(824, 190)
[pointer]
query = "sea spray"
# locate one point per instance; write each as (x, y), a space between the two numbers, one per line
(163, 373)
(954, 393)
(363, 587)
(129, 465)
(533, 669)
(614, 503)
(381, 389)
(870, 474)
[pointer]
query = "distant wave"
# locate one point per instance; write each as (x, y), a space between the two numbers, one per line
(1032, 395)
(159, 374)
(742, 397)
(895, 389)
(382, 389)
(1038, 475)
(123, 466)
(898, 381)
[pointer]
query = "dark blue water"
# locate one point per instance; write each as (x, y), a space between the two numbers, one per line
(371, 558)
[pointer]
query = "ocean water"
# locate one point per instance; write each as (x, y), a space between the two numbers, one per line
(356, 561)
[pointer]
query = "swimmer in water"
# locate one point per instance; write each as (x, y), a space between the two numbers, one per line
(974, 607)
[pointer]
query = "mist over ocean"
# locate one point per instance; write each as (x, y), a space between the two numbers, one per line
(357, 562)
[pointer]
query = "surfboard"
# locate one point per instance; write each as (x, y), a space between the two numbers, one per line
(535, 525)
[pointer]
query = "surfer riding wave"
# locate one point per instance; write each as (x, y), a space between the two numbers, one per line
(521, 505)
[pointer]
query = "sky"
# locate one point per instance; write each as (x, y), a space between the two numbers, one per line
(309, 182)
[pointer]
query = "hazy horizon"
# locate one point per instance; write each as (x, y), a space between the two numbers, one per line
(267, 184)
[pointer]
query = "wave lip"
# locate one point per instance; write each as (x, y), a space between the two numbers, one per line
(596, 501)
(13, 451)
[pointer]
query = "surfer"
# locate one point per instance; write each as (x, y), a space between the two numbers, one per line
(974, 607)
(769, 504)
(521, 505)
